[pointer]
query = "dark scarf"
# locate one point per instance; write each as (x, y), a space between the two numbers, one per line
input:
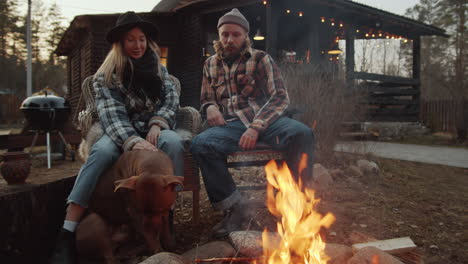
(145, 81)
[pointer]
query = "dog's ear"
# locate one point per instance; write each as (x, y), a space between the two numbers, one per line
(129, 183)
(173, 183)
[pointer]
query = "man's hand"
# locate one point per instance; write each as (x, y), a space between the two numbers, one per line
(248, 139)
(141, 145)
(214, 116)
(153, 135)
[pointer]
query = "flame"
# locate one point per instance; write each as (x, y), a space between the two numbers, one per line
(299, 223)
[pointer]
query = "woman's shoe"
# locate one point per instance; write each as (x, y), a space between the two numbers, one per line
(65, 249)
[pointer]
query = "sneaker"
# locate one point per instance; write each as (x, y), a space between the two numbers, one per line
(65, 251)
(232, 221)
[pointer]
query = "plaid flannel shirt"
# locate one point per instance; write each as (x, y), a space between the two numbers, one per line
(252, 89)
(125, 116)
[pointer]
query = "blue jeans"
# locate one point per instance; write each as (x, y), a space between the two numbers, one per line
(103, 155)
(211, 148)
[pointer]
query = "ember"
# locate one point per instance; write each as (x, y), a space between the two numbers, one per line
(299, 223)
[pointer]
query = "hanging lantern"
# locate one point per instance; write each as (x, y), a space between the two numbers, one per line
(258, 36)
(335, 49)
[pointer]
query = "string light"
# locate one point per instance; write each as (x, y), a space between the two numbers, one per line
(357, 30)
(367, 35)
(387, 37)
(405, 41)
(380, 34)
(301, 14)
(373, 35)
(264, 2)
(322, 19)
(333, 24)
(341, 24)
(288, 11)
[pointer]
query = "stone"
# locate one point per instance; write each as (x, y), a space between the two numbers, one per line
(337, 253)
(322, 177)
(166, 258)
(249, 243)
(336, 173)
(373, 255)
(215, 249)
(368, 166)
(354, 171)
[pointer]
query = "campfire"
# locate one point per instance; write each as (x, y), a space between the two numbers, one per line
(299, 222)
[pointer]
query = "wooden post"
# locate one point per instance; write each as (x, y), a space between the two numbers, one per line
(350, 57)
(417, 68)
(272, 19)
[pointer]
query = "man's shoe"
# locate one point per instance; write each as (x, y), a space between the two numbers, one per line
(65, 250)
(232, 221)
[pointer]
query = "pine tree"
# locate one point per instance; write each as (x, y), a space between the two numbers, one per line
(443, 60)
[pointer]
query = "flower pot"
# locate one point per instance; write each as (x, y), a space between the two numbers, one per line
(15, 167)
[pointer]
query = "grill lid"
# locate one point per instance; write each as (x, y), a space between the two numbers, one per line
(45, 102)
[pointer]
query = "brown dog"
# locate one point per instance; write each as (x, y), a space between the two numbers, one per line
(138, 190)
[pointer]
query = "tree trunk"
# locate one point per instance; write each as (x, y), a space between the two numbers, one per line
(461, 124)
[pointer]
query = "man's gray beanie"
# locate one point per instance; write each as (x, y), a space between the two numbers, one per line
(234, 17)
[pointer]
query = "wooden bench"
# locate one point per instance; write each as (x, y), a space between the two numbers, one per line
(260, 156)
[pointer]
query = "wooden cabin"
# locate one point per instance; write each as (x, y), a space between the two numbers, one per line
(297, 31)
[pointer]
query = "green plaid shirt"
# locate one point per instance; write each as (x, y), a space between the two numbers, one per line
(252, 89)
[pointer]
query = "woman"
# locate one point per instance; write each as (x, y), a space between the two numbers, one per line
(136, 104)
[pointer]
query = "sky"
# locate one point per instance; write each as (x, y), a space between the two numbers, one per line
(72, 8)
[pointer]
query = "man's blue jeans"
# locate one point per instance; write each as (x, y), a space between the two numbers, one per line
(103, 155)
(211, 148)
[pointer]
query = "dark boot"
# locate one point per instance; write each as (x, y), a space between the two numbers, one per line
(232, 221)
(65, 250)
(167, 235)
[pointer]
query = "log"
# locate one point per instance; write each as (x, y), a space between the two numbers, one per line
(391, 246)
(31, 216)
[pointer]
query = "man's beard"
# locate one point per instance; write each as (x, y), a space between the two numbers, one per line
(230, 51)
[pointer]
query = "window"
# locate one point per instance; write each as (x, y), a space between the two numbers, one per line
(164, 55)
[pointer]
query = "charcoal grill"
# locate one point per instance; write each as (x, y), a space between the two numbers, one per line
(46, 113)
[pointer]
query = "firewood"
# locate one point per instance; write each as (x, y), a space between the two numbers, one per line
(414, 256)
(391, 246)
(226, 259)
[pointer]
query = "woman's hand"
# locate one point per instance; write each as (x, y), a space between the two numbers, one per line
(153, 135)
(144, 145)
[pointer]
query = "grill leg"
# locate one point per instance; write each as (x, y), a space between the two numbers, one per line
(68, 148)
(33, 144)
(48, 149)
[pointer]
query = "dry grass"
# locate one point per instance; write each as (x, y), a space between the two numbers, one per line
(320, 95)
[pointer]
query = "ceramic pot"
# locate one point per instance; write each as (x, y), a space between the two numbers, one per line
(15, 167)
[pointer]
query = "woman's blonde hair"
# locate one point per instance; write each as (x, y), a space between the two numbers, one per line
(116, 61)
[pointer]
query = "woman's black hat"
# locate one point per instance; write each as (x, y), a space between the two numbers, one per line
(127, 21)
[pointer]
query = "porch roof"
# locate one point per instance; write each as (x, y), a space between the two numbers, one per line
(362, 13)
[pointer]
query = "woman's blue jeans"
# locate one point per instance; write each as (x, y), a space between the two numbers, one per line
(103, 155)
(211, 148)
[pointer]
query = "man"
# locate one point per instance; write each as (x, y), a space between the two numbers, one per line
(244, 98)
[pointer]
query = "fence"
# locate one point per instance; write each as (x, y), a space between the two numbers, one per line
(9, 109)
(441, 115)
